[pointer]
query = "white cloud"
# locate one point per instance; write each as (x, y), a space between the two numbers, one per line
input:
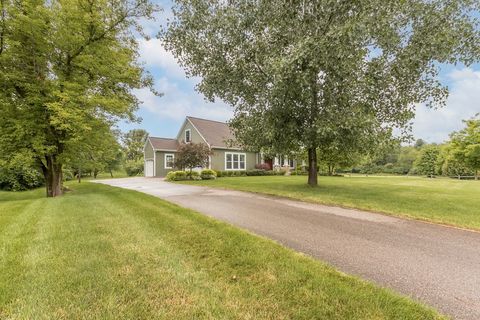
(177, 103)
(463, 103)
(151, 27)
(154, 55)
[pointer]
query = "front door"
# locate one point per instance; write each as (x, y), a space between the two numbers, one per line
(270, 163)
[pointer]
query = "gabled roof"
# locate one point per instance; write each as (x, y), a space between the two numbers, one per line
(216, 133)
(164, 143)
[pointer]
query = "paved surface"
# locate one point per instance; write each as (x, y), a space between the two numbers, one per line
(434, 264)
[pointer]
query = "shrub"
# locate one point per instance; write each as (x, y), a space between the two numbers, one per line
(134, 167)
(263, 166)
(256, 172)
(208, 174)
(177, 176)
(193, 175)
(299, 173)
(280, 172)
(18, 178)
(252, 172)
(301, 168)
(68, 174)
(233, 173)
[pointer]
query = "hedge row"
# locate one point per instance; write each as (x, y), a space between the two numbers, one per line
(253, 172)
(206, 174)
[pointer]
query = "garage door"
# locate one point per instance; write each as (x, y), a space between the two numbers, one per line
(149, 168)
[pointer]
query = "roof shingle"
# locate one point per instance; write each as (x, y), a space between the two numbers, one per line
(217, 134)
(164, 143)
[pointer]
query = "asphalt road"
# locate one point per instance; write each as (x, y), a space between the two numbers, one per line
(437, 265)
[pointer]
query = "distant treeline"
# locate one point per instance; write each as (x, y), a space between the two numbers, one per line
(458, 157)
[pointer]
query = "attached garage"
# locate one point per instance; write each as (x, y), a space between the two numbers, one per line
(159, 154)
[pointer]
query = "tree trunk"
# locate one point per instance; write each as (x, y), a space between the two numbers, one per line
(95, 173)
(476, 174)
(79, 175)
(111, 173)
(331, 169)
(53, 176)
(312, 167)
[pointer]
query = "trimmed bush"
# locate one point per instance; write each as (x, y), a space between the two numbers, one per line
(194, 175)
(280, 172)
(177, 176)
(299, 173)
(243, 173)
(256, 172)
(208, 174)
(231, 173)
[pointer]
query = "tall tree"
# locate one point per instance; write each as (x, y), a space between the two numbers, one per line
(419, 143)
(427, 161)
(298, 72)
(133, 143)
(451, 162)
(465, 145)
(94, 152)
(66, 66)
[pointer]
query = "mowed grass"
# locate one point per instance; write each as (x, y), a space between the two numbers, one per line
(441, 200)
(105, 253)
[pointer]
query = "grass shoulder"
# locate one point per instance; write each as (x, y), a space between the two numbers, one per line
(100, 252)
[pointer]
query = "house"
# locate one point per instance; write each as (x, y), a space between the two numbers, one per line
(159, 153)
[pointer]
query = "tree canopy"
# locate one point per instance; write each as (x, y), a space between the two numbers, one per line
(133, 144)
(310, 74)
(67, 68)
(426, 163)
(465, 145)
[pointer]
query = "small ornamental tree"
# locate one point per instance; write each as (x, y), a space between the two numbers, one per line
(192, 155)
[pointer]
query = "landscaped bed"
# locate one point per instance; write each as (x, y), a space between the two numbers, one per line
(441, 200)
(100, 252)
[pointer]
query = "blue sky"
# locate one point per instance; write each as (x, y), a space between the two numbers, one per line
(162, 116)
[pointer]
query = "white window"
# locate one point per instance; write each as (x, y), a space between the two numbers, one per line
(235, 161)
(169, 160)
(188, 135)
(291, 163)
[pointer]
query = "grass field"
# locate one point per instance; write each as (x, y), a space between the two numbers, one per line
(442, 200)
(106, 253)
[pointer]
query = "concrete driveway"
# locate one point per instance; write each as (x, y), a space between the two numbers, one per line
(437, 265)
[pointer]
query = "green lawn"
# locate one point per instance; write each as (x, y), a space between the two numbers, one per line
(443, 200)
(106, 253)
